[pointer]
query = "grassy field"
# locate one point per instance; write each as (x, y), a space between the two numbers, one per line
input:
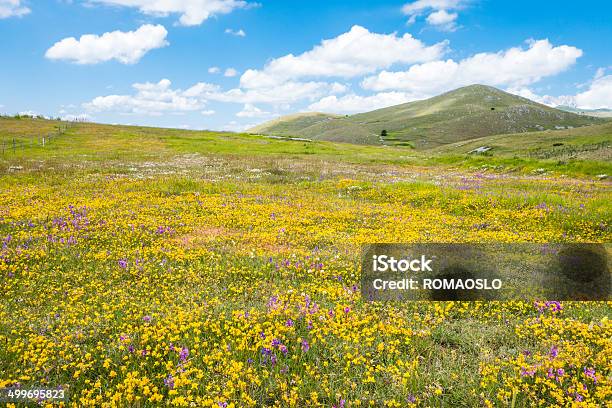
(150, 267)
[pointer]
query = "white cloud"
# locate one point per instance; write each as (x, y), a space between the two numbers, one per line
(252, 111)
(208, 112)
(351, 54)
(237, 33)
(214, 70)
(437, 10)
(81, 117)
(543, 99)
(234, 126)
(515, 67)
(12, 8)
(125, 47)
(200, 89)
(287, 92)
(352, 103)
(230, 72)
(153, 99)
(443, 19)
(598, 96)
(192, 12)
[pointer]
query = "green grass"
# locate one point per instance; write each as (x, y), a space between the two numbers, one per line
(114, 145)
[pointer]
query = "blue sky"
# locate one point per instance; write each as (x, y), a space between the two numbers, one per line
(230, 64)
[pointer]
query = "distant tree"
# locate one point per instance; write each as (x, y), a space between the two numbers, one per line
(383, 133)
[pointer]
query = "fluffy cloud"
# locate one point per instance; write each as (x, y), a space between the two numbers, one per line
(287, 92)
(351, 54)
(598, 96)
(154, 99)
(237, 33)
(12, 8)
(436, 10)
(125, 47)
(515, 67)
(230, 72)
(81, 117)
(443, 19)
(214, 70)
(192, 12)
(234, 126)
(252, 111)
(352, 103)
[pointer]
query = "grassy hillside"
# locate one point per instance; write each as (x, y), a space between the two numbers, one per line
(466, 113)
(585, 143)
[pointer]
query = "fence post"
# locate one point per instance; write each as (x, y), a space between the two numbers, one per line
(14, 147)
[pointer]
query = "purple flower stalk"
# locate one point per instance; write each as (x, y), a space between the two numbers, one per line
(169, 381)
(184, 354)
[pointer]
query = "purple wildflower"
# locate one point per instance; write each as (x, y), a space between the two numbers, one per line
(527, 372)
(123, 263)
(554, 306)
(169, 381)
(184, 354)
(554, 351)
(590, 373)
(147, 318)
(289, 323)
(305, 346)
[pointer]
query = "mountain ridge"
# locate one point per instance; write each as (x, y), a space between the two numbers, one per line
(462, 114)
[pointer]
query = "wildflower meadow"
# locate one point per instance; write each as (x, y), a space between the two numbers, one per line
(147, 267)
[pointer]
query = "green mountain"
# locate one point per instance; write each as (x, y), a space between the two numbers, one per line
(465, 113)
